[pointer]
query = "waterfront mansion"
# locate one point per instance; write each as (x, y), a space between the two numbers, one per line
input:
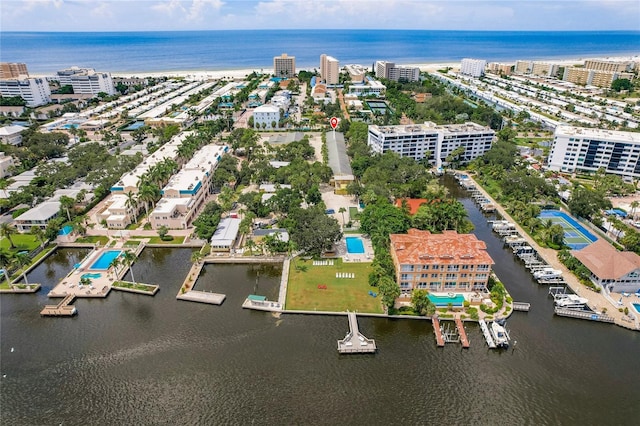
(444, 262)
(612, 270)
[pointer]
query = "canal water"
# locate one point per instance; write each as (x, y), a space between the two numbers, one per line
(133, 359)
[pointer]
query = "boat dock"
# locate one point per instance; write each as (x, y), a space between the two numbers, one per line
(463, 334)
(437, 331)
(202, 297)
(588, 315)
(521, 306)
(62, 309)
(354, 341)
(487, 335)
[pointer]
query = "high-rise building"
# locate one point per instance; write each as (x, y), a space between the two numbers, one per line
(611, 66)
(391, 71)
(86, 81)
(329, 69)
(431, 141)
(13, 70)
(284, 66)
(586, 77)
(473, 67)
(577, 149)
(35, 91)
(500, 68)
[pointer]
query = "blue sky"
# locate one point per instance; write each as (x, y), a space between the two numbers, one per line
(146, 15)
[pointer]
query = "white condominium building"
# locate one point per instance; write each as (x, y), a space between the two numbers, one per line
(611, 66)
(86, 81)
(578, 149)
(35, 91)
(391, 71)
(284, 66)
(431, 141)
(473, 67)
(329, 69)
(266, 117)
(356, 72)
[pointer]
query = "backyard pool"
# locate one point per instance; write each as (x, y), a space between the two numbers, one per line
(65, 230)
(91, 276)
(636, 306)
(443, 301)
(354, 245)
(105, 259)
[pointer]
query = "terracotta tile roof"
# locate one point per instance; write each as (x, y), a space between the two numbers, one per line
(605, 262)
(413, 203)
(423, 247)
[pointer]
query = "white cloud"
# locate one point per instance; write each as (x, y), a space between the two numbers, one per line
(102, 10)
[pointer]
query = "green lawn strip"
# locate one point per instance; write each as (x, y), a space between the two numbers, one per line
(21, 242)
(341, 294)
(158, 240)
(94, 239)
(354, 214)
(136, 286)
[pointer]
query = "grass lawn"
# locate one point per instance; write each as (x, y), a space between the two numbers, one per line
(354, 214)
(341, 294)
(102, 239)
(158, 240)
(21, 242)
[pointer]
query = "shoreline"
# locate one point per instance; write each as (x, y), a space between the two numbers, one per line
(239, 73)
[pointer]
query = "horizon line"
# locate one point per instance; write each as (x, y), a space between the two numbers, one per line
(327, 29)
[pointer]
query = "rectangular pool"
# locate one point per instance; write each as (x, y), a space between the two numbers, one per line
(354, 245)
(443, 301)
(105, 259)
(636, 306)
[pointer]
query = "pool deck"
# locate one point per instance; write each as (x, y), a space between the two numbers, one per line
(367, 256)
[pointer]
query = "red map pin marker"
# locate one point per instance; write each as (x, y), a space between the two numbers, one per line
(334, 122)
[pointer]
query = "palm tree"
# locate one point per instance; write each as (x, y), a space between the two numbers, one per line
(250, 245)
(634, 205)
(147, 193)
(197, 256)
(4, 184)
(117, 261)
(7, 230)
(6, 259)
(132, 203)
(128, 258)
(341, 210)
(22, 260)
(66, 203)
(38, 233)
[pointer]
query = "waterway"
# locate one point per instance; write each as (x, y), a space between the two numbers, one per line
(132, 359)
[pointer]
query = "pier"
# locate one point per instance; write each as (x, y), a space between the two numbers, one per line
(202, 297)
(487, 335)
(463, 334)
(521, 306)
(354, 341)
(62, 309)
(437, 331)
(588, 315)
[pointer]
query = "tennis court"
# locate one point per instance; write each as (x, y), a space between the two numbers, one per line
(575, 235)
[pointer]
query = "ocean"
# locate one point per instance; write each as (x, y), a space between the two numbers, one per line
(45, 53)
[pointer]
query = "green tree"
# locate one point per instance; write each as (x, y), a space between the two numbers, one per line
(620, 84)
(389, 291)
(7, 230)
(313, 231)
(128, 258)
(22, 260)
(421, 303)
(6, 259)
(197, 256)
(67, 203)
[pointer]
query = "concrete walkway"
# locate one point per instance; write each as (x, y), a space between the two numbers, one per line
(597, 301)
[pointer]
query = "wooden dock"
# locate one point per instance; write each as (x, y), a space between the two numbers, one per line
(355, 342)
(463, 334)
(487, 334)
(202, 297)
(62, 309)
(521, 306)
(437, 331)
(588, 315)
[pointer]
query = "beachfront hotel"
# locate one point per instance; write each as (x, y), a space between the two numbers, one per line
(186, 192)
(444, 262)
(587, 77)
(473, 67)
(613, 270)
(86, 81)
(35, 91)
(284, 66)
(329, 69)
(435, 142)
(580, 149)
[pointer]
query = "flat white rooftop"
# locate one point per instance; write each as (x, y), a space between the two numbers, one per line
(630, 137)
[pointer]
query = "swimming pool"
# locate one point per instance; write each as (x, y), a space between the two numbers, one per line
(442, 301)
(636, 306)
(105, 259)
(92, 276)
(354, 245)
(65, 230)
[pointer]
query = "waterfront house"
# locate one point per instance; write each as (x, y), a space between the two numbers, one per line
(226, 234)
(613, 270)
(38, 216)
(444, 262)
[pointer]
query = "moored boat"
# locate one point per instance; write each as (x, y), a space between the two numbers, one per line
(499, 334)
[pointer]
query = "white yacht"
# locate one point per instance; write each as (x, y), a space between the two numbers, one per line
(547, 274)
(571, 301)
(500, 336)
